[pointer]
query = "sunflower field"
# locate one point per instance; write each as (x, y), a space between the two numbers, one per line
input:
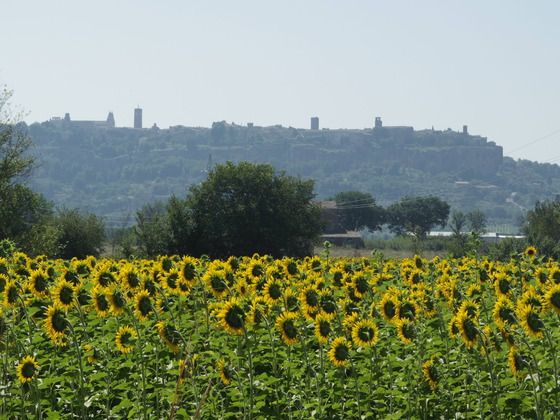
(259, 338)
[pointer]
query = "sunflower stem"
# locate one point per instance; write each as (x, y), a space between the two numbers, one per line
(553, 354)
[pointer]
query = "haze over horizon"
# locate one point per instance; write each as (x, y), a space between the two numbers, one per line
(492, 66)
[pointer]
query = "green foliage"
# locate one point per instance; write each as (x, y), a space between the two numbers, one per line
(358, 210)
(542, 228)
(477, 221)
(417, 215)
(20, 209)
(80, 233)
(506, 249)
(248, 208)
(15, 162)
(153, 229)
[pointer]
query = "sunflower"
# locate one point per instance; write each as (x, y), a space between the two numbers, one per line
(129, 278)
(468, 328)
(531, 252)
(11, 294)
(125, 339)
(541, 275)
(232, 317)
(552, 298)
(226, 373)
(243, 288)
(309, 297)
(71, 276)
(143, 305)
(259, 310)
(287, 326)
(171, 280)
(405, 330)
(273, 291)
(531, 297)
(64, 293)
(169, 335)
(187, 367)
(408, 309)
(503, 284)
(365, 333)
(389, 305)
(93, 355)
(27, 369)
(471, 308)
(327, 304)
(256, 271)
(360, 285)
(38, 283)
(103, 278)
(339, 353)
(516, 361)
(216, 282)
(554, 275)
(474, 292)
(100, 301)
(117, 299)
(57, 324)
(492, 338)
(188, 269)
(503, 312)
(530, 320)
(431, 374)
(291, 302)
(4, 279)
(323, 328)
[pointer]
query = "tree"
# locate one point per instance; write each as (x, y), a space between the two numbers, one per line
(417, 215)
(457, 221)
(477, 221)
(15, 163)
(358, 210)
(20, 209)
(152, 230)
(81, 233)
(542, 228)
(245, 208)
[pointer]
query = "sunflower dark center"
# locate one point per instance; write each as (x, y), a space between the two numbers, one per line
(341, 352)
(275, 291)
(66, 295)
(218, 284)
(312, 298)
(235, 317)
(28, 370)
(59, 323)
(366, 333)
(534, 322)
(389, 309)
(102, 302)
(290, 330)
(325, 328)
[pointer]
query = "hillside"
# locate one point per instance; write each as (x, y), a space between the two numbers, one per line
(114, 171)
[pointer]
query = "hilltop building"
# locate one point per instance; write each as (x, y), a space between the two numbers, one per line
(314, 123)
(138, 117)
(66, 121)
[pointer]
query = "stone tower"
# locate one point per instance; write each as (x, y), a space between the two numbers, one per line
(111, 120)
(314, 123)
(138, 117)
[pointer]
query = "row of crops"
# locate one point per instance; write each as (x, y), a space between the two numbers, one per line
(256, 337)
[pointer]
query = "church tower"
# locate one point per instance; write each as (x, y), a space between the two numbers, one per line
(138, 117)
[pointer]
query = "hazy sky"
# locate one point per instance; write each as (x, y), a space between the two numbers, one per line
(493, 65)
